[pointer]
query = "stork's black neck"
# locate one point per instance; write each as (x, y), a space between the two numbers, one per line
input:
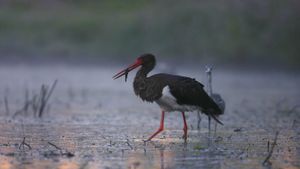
(142, 73)
(140, 83)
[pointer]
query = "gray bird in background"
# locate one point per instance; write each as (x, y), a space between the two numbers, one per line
(215, 96)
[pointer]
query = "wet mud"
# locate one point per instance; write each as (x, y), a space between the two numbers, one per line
(92, 121)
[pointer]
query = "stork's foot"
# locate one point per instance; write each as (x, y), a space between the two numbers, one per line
(185, 133)
(161, 128)
(184, 137)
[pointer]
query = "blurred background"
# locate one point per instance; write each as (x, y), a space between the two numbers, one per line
(227, 33)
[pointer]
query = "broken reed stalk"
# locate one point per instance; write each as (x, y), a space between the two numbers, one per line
(6, 105)
(44, 97)
(27, 101)
(38, 102)
(266, 161)
(35, 104)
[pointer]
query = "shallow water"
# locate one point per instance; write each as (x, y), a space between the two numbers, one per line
(96, 122)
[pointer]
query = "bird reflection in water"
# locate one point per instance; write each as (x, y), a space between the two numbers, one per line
(158, 159)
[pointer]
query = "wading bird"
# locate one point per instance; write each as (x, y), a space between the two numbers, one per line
(170, 92)
(215, 96)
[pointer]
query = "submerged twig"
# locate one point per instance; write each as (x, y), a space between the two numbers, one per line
(266, 161)
(24, 144)
(127, 142)
(58, 148)
(62, 152)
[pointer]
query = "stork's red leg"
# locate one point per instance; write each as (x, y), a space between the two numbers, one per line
(185, 128)
(161, 127)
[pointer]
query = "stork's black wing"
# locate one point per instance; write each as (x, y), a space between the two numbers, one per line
(190, 92)
(187, 91)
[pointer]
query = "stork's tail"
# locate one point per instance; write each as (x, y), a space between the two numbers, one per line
(213, 110)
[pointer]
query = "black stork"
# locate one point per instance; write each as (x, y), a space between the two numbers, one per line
(170, 92)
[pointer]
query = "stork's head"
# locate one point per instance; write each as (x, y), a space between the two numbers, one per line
(146, 60)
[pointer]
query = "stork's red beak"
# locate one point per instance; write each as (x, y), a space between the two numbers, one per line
(125, 72)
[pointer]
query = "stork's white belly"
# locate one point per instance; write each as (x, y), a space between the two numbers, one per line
(168, 103)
